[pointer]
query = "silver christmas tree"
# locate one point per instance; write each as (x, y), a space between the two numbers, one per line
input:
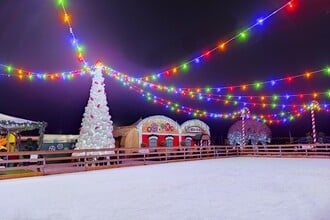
(96, 127)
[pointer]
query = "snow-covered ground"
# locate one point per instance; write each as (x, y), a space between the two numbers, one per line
(231, 188)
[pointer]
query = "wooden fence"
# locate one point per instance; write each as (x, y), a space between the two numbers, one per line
(32, 163)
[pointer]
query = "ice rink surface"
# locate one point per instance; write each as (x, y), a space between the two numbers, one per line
(219, 189)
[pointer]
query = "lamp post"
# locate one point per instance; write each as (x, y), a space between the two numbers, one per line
(314, 106)
(245, 112)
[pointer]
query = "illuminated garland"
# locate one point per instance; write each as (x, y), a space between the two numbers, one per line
(80, 49)
(21, 74)
(256, 85)
(30, 75)
(65, 75)
(281, 117)
(251, 100)
(241, 36)
(266, 118)
(204, 94)
(229, 100)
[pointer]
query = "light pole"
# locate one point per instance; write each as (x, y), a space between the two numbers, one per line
(314, 106)
(245, 112)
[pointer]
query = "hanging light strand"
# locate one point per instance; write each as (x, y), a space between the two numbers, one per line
(242, 35)
(79, 49)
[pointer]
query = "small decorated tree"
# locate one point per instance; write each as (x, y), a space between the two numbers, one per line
(96, 127)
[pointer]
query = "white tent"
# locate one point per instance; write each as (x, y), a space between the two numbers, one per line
(10, 124)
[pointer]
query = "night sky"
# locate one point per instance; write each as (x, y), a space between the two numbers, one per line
(143, 37)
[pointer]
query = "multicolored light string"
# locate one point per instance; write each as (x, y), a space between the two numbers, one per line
(22, 74)
(281, 117)
(80, 49)
(241, 36)
(244, 100)
(252, 100)
(270, 118)
(244, 87)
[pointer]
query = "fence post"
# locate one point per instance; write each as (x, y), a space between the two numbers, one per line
(117, 152)
(166, 154)
(44, 165)
(85, 161)
(184, 153)
(200, 152)
(280, 151)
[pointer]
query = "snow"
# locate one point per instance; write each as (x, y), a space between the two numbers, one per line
(228, 188)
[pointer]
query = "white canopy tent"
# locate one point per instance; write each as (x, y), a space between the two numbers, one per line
(14, 125)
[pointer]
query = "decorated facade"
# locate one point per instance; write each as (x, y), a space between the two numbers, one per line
(159, 130)
(195, 132)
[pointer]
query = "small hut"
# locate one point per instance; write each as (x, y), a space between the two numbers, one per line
(195, 132)
(126, 136)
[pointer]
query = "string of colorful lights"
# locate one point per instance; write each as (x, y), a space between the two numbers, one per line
(245, 100)
(263, 101)
(241, 36)
(229, 100)
(80, 49)
(192, 91)
(281, 117)
(20, 73)
(142, 83)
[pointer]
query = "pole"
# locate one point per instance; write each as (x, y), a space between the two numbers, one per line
(243, 131)
(245, 112)
(314, 105)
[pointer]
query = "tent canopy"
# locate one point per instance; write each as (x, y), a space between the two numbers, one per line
(10, 124)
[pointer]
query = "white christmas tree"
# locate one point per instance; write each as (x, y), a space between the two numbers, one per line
(96, 127)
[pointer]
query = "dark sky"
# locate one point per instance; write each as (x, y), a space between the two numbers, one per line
(140, 37)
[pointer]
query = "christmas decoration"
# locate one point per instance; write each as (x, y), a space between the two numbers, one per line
(67, 20)
(20, 73)
(183, 66)
(255, 131)
(96, 130)
(270, 118)
(314, 106)
(245, 112)
(207, 91)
